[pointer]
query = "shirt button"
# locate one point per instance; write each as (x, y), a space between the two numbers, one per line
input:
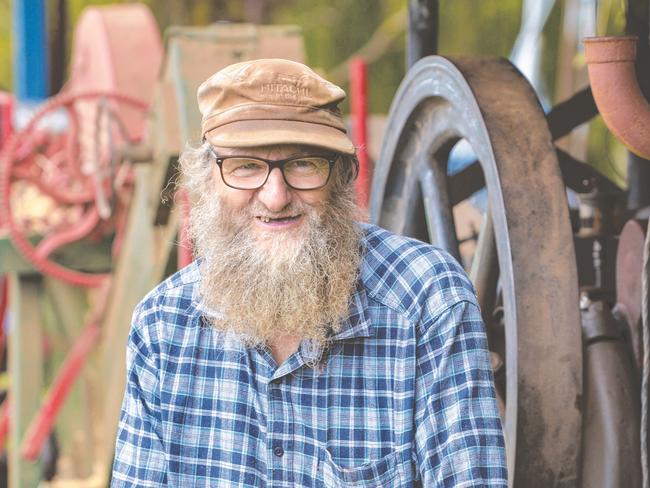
(278, 451)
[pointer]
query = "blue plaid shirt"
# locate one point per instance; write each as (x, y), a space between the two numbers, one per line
(403, 397)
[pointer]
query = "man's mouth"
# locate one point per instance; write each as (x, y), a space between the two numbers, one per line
(279, 220)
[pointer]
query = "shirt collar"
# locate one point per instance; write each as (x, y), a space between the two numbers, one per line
(357, 323)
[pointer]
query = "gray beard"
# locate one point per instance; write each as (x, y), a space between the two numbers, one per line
(297, 283)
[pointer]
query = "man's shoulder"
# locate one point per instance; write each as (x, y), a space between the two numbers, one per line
(175, 295)
(404, 273)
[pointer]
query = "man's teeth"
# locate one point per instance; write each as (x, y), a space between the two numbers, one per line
(266, 220)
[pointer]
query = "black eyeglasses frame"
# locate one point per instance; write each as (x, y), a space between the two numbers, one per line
(277, 163)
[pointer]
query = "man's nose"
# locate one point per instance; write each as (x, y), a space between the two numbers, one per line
(275, 194)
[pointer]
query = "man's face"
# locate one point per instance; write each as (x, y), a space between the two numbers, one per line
(275, 261)
(275, 210)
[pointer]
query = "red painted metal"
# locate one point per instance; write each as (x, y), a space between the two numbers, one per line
(359, 105)
(6, 129)
(16, 163)
(42, 424)
(610, 62)
(117, 49)
(5, 417)
(55, 240)
(6, 117)
(29, 173)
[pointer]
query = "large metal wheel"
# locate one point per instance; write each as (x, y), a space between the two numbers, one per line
(524, 267)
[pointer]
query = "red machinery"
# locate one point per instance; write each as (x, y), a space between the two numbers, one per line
(76, 168)
(66, 177)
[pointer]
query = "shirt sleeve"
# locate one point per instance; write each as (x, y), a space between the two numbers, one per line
(139, 451)
(459, 439)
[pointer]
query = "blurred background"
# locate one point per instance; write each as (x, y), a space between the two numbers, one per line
(97, 101)
(336, 30)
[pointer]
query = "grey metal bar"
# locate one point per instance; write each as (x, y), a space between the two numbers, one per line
(422, 38)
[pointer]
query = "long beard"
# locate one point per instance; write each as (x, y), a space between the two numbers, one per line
(294, 283)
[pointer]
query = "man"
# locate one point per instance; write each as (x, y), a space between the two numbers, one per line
(301, 348)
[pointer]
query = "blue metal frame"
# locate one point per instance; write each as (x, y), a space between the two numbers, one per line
(30, 50)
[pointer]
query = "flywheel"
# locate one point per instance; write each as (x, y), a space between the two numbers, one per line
(524, 266)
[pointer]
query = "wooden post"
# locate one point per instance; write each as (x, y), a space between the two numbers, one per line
(74, 426)
(26, 369)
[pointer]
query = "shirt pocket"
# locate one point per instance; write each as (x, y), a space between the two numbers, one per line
(385, 472)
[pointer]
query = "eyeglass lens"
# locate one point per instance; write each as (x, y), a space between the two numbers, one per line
(301, 173)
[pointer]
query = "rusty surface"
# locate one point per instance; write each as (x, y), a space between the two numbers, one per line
(617, 93)
(562, 119)
(488, 103)
(629, 259)
(611, 448)
(577, 175)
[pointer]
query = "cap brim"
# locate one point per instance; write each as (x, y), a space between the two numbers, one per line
(254, 133)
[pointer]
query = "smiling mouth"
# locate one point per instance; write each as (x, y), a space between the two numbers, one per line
(268, 220)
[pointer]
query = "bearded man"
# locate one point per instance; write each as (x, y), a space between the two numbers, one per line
(301, 348)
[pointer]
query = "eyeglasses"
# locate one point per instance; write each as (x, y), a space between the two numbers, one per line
(299, 172)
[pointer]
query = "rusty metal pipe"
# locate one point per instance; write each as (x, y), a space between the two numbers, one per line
(610, 62)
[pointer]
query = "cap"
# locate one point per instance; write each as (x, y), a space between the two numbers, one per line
(272, 101)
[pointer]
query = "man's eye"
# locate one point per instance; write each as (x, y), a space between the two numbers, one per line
(307, 164)
(252, 166)
(243, 166)
(303, 163)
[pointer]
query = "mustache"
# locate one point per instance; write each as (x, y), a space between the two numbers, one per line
(258, 209)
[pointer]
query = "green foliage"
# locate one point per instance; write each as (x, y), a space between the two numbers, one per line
(606, 153)
(551, 39)
(5, 45)
(335, 30)
(486, 27)
(75, 7)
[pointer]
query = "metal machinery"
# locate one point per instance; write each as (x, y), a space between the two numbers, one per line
(559, 287)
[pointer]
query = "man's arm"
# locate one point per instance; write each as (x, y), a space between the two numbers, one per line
(139, 454)
(459, 440)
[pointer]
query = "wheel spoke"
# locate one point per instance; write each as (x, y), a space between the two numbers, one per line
(440, 220)
(485, 268)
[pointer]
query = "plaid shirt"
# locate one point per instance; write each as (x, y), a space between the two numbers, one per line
(403, 397)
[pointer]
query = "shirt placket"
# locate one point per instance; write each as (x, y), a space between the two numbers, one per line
(280, 432)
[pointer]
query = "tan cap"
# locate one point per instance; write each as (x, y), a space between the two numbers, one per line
(272, 101)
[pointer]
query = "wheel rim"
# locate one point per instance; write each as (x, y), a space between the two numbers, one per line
(489, 104)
